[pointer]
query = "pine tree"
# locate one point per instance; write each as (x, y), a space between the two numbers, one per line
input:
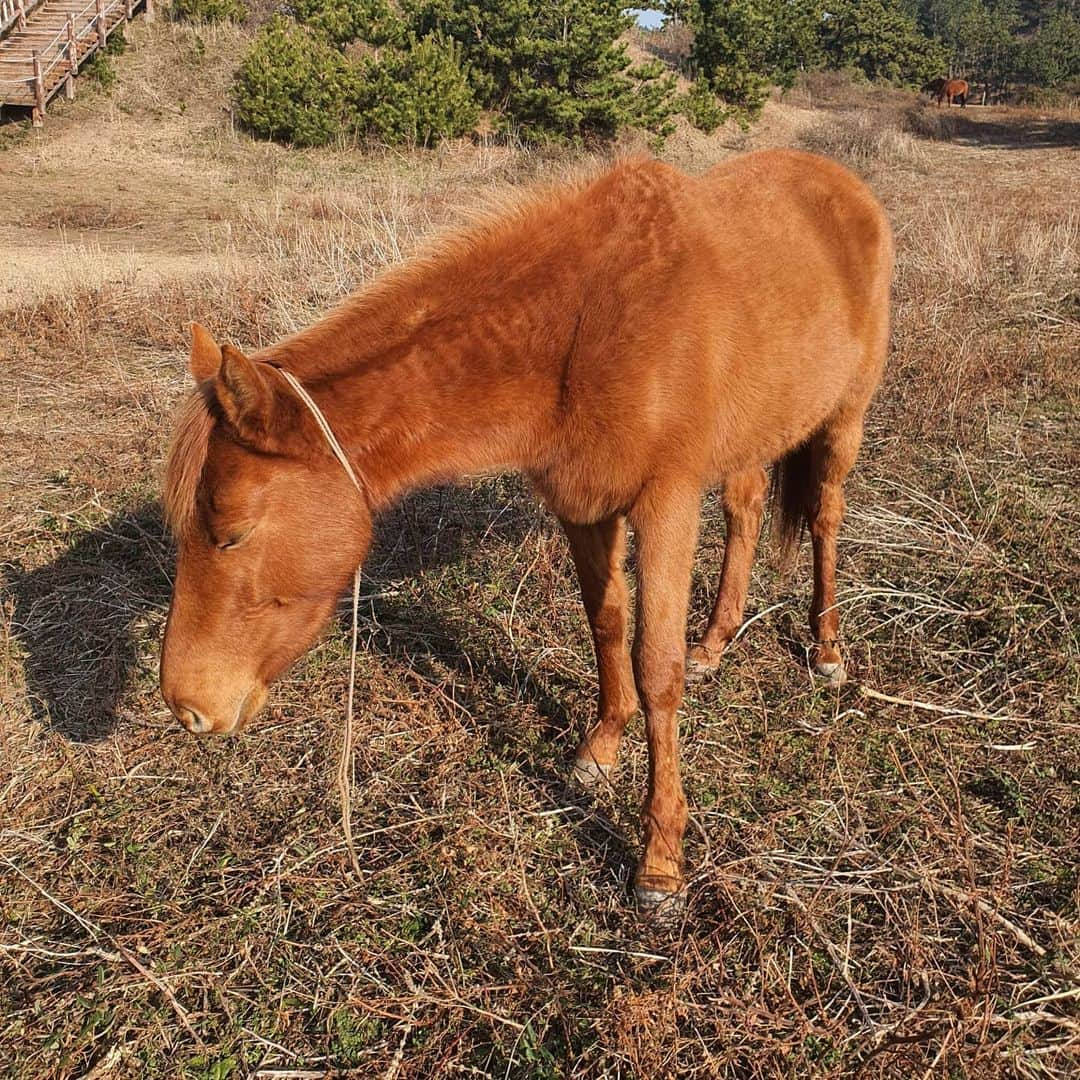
(880, 40)
(677, 11)
(417, 94)
(733, 43)
(741, 47)
(553, 69)
(1052, 56)
(345, 21)
(294, 86)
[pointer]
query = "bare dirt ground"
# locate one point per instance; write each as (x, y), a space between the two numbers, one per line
(883, 878)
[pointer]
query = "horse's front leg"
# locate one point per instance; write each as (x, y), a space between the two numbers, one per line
(599, 552)
(665, 521)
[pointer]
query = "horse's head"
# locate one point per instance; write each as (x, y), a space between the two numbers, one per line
(269, 530)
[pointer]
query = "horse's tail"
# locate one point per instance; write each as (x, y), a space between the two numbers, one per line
(790, 495)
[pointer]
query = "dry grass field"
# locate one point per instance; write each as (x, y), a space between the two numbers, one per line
(884, 877)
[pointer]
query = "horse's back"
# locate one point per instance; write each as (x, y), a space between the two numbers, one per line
(804, 254)
(957, 89)
(821, 210)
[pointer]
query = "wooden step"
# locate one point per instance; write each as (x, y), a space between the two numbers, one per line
(46, 33)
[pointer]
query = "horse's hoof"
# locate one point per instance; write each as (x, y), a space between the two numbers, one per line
(660, 904)
(589, 774)
(832, 673)
(701, 662)
(828, 663)
(697, 672)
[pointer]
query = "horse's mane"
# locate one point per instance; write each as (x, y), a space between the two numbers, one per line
(185, 462)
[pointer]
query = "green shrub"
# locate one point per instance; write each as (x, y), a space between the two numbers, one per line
(209, 11)
(546, 70)
(701, 106)
(596, 106)
(734, 46)
(741, 87)
(652, 101)
(345, 21)
(419, 94)
(99, 67)
(294, 86)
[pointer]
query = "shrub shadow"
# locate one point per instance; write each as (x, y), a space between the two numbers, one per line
(1021, 133)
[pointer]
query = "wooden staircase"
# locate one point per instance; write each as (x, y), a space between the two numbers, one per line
(44, 42)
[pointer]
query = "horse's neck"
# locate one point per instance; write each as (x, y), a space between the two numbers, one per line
(459, 390)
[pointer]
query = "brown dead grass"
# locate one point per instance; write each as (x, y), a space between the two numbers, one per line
(91, 216)
(881, 885)
(844, 90)
(866, 140)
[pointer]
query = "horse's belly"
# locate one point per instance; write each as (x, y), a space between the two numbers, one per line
(583, 494)
(778, 411)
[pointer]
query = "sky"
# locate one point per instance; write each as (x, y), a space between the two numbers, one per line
(648, 18)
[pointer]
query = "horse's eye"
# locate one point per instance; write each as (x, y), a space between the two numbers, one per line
(233, 541)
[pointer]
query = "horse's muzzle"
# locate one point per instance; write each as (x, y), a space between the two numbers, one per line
(192, 720)
(200, 722)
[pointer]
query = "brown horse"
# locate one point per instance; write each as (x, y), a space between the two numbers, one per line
(627, 342)
(947, 91)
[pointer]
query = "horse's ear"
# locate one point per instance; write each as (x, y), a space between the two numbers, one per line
(246, 401)
(205, 354)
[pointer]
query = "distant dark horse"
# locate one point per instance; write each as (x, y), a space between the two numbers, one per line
(947, 90)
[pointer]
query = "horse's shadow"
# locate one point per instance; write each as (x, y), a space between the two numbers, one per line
(83, 622)
(88, 625)
(430, 645)
(431, 531)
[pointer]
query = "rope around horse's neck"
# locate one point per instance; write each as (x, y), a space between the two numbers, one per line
(344, 770)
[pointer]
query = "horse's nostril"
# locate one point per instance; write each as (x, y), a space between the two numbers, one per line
(195, 723)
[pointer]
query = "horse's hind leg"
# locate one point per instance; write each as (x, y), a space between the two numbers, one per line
(744, 500)
(599, 551)
(833, 451)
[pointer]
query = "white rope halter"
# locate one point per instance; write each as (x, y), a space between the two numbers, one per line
(344, 770)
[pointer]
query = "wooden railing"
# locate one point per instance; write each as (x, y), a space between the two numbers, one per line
(13, 13)
(89, 24)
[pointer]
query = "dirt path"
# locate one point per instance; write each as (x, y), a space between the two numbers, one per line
(134, 183)
(71, 212)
